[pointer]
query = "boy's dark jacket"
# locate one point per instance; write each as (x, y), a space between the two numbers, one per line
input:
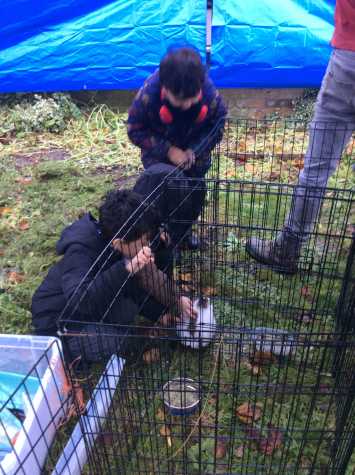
(80, 244)
(147, 130)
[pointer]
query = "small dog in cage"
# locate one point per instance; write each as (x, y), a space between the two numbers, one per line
(112, 269)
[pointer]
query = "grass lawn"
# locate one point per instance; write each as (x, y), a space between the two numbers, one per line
(49, 178)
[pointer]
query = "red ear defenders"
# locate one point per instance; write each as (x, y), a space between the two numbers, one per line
(167, 117)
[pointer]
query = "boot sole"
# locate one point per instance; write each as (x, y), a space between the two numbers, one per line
(272, 265)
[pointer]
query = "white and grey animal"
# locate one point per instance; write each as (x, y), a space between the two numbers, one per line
(201, 331)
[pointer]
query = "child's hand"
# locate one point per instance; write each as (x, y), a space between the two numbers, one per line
(190, 159)
(144, 257)
(186, 308)
(176, 156)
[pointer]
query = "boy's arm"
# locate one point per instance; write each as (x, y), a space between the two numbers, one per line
(92, 294)
(158, 285)
(140, 115)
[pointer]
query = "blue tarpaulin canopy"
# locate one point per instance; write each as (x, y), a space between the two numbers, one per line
(100, 44)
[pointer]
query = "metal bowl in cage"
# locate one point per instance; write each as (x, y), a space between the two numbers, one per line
(181, 396)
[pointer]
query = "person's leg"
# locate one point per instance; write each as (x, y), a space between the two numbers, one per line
(93, 343)
(330, 131)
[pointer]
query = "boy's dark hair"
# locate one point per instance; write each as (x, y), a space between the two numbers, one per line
(118, 210)
(182, 72)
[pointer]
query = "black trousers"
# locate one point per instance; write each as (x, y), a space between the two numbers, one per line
(178, 196)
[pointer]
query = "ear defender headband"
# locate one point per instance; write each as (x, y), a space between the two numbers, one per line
(167, 117)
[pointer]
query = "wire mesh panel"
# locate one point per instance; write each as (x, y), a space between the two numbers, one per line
(34, 400)
(244, 404)
(262, 380)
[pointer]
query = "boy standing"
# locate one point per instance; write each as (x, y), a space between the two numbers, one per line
(176, 119)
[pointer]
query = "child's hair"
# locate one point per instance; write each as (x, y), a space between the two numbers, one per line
(118, 210)
(182, 72)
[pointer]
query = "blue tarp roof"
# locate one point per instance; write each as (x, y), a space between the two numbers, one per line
(100, 44)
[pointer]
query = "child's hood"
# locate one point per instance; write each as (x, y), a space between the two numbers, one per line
(85, 231)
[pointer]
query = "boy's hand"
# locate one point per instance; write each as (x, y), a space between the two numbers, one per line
(186, 308)
(180, 157)
(176, 156)
(190, 158)
(144, 257)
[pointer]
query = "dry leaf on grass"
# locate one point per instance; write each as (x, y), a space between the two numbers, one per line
(5, 211)
(260, 358)
(272, 442)
(160, 415)
(15, 277)
(221, 449)
(298, 164)
(266, 445)
(239, 452)
(249, 413)
(306, 292)
(254, 369)
(274, 176)
(24, 180)
(151, 356)
(23, 224)
(166, 432)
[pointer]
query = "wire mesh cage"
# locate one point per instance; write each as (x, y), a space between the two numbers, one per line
(262, 381)
(34, 400)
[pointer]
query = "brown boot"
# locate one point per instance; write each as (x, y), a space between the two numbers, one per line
(282, 254)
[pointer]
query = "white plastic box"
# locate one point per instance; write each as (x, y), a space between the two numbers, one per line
(33, 401)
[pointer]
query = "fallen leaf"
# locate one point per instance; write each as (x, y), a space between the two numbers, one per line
(249, 413)
(239, 452)
(306, 293)
(164, 431)
(274, 176)
(249, 167)
(4, 211)
(208, 291)
(26, 180)
(2, 252)
(262, 358)
(151, 356)
(221, 449)
(298, 164)
(160, 415)
(272, 442)
(15, 277)
(256, 370)
(23, 224)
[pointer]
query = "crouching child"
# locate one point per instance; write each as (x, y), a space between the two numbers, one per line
(112, 269)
